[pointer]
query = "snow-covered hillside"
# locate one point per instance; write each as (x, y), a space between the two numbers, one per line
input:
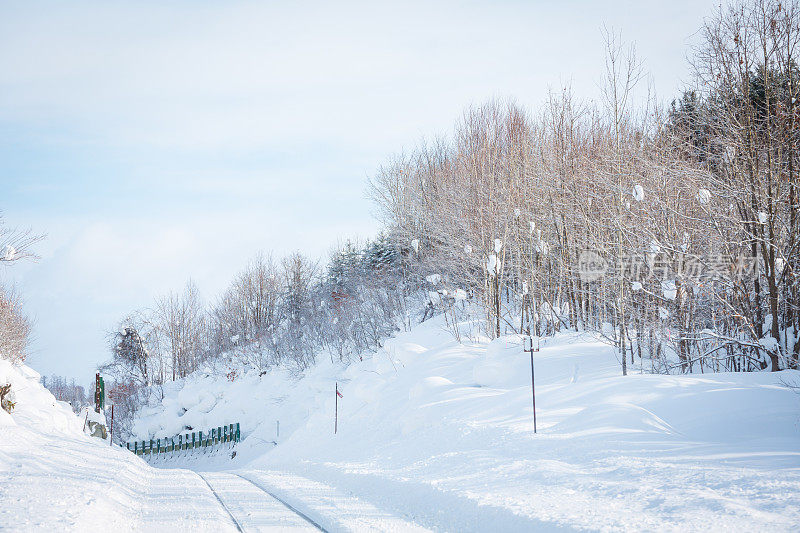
(432, 434)
(441, 433)
(55, 478)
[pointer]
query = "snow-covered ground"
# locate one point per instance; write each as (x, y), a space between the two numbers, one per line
(441, 432)
(53, 477)
(432, 434)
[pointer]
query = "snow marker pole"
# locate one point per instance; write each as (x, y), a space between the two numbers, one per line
(336, 412)
(533, 393)
(528, 347)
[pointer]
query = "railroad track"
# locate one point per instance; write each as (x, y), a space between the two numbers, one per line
(257, 509)
(214, 492)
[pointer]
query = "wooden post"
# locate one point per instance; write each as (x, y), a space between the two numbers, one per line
(111, 429)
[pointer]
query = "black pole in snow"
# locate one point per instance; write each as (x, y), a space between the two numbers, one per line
(529, 347)
(533, 391)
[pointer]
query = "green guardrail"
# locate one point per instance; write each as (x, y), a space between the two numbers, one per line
(204, 441)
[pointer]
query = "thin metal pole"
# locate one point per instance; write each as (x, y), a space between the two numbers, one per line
(111, 430)
(336, 416)
(533, 391)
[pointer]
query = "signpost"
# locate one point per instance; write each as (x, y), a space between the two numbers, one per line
(336, 415)
(99, 393)
(529, 347)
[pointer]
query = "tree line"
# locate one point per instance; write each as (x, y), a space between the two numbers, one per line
(283, 313)
(672, 231)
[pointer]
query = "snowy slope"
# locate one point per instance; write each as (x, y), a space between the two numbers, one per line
(441, 432)
(55, 478)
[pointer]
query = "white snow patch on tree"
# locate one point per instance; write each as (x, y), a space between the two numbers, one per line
(769, 343)
(415, 245)
(542, 247)
(704, 196)
(10, 253)
(669, 289)
(493, 265)
(638, 193)
(433, 279)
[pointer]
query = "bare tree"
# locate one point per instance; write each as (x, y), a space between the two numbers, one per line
(15, 328)
(16, 244)
(182, 329)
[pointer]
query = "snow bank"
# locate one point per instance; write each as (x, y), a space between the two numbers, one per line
(35, 405)
(441, 432)
(54, 478)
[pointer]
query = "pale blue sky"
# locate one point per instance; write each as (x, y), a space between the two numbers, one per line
(158, 141)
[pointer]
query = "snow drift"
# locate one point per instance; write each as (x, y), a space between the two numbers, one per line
(441, 432)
